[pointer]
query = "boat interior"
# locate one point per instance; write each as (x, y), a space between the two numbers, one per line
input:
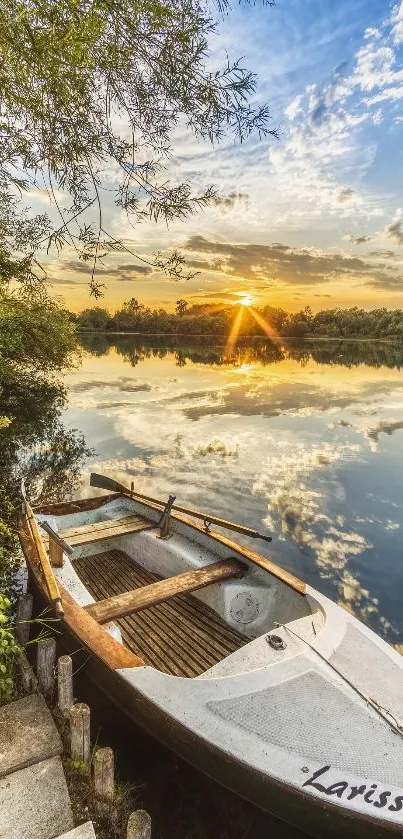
(182, 603)
(181, 636)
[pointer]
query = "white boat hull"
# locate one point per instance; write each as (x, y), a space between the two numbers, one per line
(310, 730)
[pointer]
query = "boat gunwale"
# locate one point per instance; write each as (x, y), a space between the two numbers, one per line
(90, 633)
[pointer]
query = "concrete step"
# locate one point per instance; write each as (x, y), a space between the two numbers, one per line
(84, 831)
(27, 734)
(34, 802)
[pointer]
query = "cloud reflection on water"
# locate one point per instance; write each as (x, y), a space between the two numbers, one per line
(278, 441)
(306, 504)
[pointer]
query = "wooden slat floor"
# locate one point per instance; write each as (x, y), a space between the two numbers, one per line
(181, 636)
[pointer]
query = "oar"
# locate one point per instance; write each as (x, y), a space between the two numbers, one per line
(47, 570)
(103, 482)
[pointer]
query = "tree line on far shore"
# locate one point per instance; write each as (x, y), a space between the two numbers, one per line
(212, 319)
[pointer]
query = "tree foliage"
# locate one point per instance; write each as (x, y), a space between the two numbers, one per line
(217, 320)
(180, 307)
(90, 91)
(36, 335)
(37, 339)
(95, 318)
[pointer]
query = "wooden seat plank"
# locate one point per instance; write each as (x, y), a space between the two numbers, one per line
(184, 610)
(97, 531)
(113, 573)
(141, 598)
(186, 653)
(104, 524)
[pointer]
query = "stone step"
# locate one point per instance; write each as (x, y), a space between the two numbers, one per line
(84, 831)
(27, 734)
(34, 802)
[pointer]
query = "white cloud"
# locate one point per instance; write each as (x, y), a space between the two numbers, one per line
(394, 230)
(372, 33)
(323, 150)
(294, 107)
(377, 68)
(328, 146)
(397, 21)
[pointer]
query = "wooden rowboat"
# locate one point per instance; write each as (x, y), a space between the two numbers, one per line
(239, 667)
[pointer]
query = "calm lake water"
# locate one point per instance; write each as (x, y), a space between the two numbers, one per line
(302, 441)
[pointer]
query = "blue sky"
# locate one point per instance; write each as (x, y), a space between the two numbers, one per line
(314, 216)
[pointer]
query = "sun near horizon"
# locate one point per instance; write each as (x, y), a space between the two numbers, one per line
(245, 300)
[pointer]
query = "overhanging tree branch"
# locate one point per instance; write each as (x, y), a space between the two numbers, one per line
(90, 84)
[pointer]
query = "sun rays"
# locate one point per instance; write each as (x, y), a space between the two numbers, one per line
(244, 305)
(235, 329)
(270, 331)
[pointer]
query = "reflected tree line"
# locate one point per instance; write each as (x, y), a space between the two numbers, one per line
(200, 350)
(35, 445)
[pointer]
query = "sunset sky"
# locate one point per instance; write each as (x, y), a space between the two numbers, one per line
(313, 217)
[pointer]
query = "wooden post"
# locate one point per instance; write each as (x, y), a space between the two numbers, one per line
(64, 684)
(24, 615)
(80, 743)
(55, 553)
(27, 676)
(139, 825)
(104, 781)
(45, 665)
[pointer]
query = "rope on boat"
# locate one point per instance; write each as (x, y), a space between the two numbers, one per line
(386, 715)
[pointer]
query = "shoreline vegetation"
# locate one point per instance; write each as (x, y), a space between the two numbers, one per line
(213, 320)
(38, 343)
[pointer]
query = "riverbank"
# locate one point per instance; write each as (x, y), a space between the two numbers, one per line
(53, 783)
(34, 798)
(241, 338)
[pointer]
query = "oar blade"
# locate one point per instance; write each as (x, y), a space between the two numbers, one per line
(102, 482)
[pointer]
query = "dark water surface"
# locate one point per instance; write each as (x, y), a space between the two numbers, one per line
(303, 440)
